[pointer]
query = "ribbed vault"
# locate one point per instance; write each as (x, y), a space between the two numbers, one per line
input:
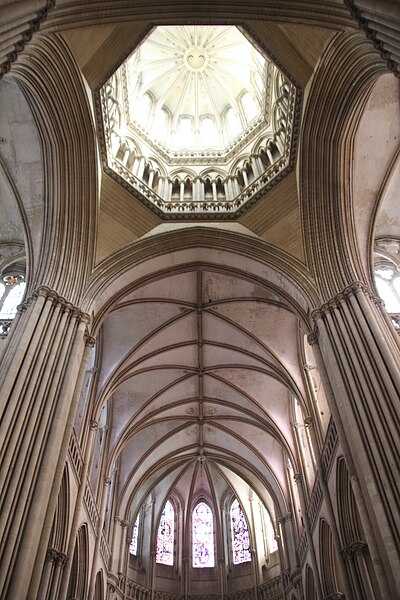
(200, 369)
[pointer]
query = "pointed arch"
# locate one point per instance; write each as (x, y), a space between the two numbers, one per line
(327, 559)
(166, 536)
(77, 587)
(240, 534)
(202, 536)
(310, 591)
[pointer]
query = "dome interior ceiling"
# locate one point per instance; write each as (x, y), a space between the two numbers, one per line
(195, 73)
(202, 386)
(198, 121)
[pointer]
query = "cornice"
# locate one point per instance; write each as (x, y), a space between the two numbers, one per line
(326, 13)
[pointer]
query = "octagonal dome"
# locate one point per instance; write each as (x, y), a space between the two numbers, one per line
(195, 88)
(198, 122)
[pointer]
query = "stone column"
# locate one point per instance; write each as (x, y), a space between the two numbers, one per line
(363, 368)
(41, 368)
(77, 512)
(99, 532)
(313, 559)
(287, 535)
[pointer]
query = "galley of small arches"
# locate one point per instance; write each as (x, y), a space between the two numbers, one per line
(241, 539)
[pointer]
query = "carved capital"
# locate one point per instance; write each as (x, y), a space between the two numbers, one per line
(107, 480)
(55, 556)
(298, 477)
(90, 341)
(354, 549)
(312, 337)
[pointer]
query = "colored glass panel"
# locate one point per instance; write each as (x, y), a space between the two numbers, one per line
(240, 535)
(165, 536)
(203, 536)
(133, 548)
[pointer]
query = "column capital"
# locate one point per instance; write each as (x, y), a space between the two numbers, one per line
(56, 556)
(90, 341)
(107, 480)
(45, 292)
(298, 477)
(354, 549)
(357, 287)
(312, 337)
(309, 421)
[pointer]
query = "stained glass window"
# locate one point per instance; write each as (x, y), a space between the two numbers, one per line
(165, 536)
(133, 548)
(240, 535)
(203, 538)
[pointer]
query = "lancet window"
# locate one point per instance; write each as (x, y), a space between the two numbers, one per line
(240, 535)
(165, 536)
(202, 536)
(133, 548)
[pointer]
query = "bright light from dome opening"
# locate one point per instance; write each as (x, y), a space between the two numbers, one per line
(198, 121)
(195, 73)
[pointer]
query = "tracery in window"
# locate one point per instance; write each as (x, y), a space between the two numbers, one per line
(133, 548)
(202, 536)
(387, 276)
(13, 299)
(165, 536)
(387, 281)
(240, 535)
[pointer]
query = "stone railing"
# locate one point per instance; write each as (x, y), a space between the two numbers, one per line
(91, 506)
(210, 194)
(220, 189)
(302, 547)
(269, 590)
(315, 503)
(75, 455)
(329, 449)
(105, 550)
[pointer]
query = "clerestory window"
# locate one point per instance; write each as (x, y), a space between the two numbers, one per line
(202, 536)
(133, 548)
(165, 536)
(240, 535)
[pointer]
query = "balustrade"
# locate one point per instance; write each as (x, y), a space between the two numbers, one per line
(268, 590)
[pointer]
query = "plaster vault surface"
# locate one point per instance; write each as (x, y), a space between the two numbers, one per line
(201, 386)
